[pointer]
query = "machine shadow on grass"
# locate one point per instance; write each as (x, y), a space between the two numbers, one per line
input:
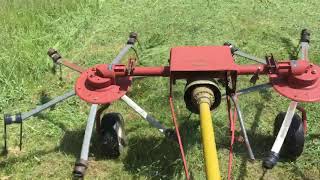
(260, 143)
(158, 157)
(261, 146)
(71, 143)
(153, 157)
(149, 156)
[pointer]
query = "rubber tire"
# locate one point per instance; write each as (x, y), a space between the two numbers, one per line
(293, 144)
(109, 137)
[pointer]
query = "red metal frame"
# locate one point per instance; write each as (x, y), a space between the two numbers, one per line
(230, 91)
(232, 121)
(174, 120)
(71, 65)
(297, 80)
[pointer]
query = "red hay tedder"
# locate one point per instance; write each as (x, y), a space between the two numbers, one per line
(206, 70)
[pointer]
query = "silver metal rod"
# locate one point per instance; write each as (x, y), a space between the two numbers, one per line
(304, 43)
(153, 121)
(243, 129)
(122, 53)
(47, 105)
(250, 57)
(284, 127)
(251, 89)
(304, 50)
(88, 132)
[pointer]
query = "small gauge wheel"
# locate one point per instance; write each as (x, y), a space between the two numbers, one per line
(294, 142)
(112, 134)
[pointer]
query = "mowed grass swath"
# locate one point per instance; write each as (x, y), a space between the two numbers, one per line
(92, 32)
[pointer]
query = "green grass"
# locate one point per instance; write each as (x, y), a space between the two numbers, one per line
(91, 32)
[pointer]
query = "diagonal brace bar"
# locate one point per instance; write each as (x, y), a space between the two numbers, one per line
(243, 129)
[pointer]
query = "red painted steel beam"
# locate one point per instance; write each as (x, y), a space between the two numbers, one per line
(150, 71)
(71, 65)
(120, 70)
(252, 69)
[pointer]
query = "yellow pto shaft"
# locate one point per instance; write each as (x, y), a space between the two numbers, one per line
(209, 144)
(203, 97)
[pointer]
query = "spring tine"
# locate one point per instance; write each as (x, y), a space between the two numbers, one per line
(5, 150)
(20, 145)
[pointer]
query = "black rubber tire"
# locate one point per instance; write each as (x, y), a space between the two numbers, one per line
(109, 137)
(293, 144)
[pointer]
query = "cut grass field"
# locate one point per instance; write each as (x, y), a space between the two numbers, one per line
(91, 32)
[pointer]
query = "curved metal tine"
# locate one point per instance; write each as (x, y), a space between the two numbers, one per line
(243, 129)
(251, 89)
(5, 148)
(153, 121)
(135, 51)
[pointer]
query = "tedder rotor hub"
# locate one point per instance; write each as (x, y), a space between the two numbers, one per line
(98, 87)
(301, 84)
